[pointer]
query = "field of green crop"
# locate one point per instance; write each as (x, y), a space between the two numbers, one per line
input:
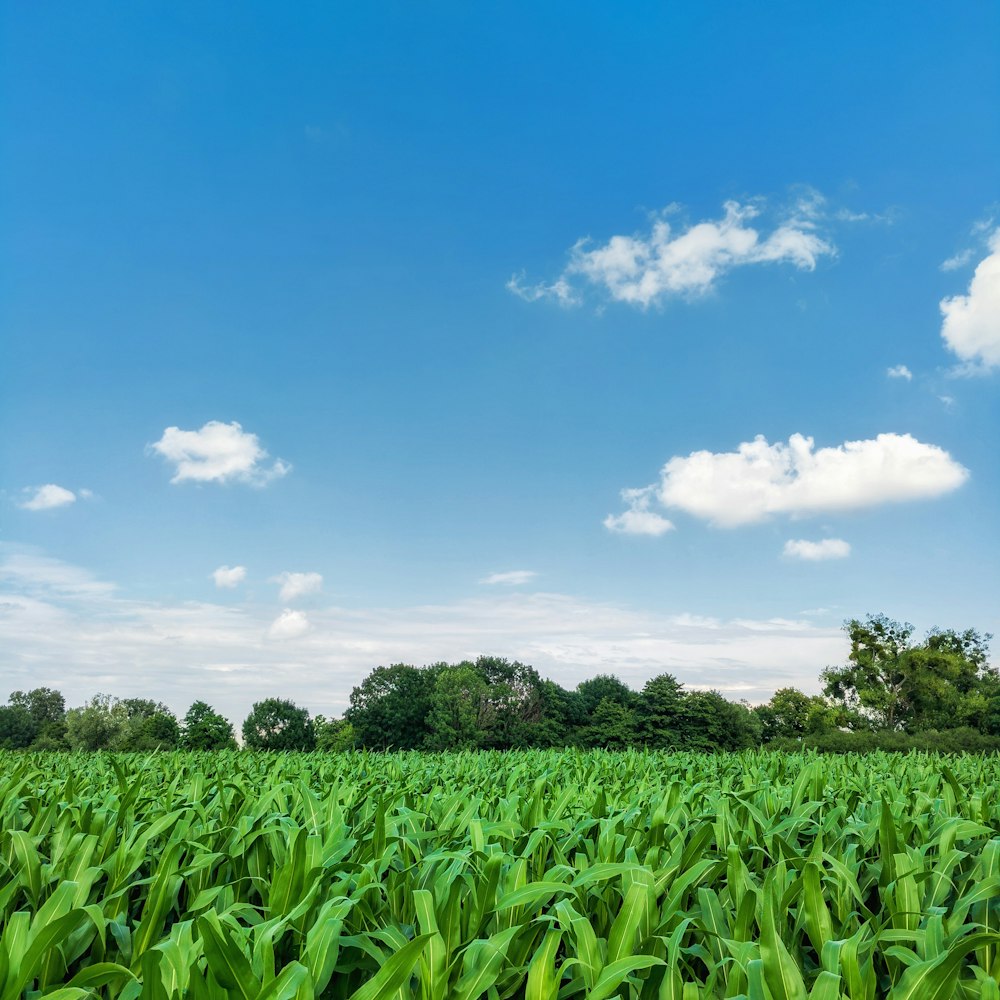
(540, 874)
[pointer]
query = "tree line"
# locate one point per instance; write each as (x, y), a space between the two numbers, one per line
(894, 692)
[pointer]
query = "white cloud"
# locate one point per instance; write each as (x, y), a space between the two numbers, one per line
(828, 548)
(227, 577)
(289, 625)
(512, 578)
(48, 497)
(61, 627)
(758, 480)
(218, 453)
(971, 326)
(899, 371)
(645, 269)
(958, 260)
(638, 519)
(294, 585)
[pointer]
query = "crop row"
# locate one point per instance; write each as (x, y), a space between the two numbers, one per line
(545, 874)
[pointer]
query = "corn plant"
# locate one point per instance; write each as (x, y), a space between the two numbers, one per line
(547, 875)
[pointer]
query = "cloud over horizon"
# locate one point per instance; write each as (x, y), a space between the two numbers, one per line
(64, 628)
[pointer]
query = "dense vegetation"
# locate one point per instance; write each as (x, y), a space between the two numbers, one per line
(541, 874)
(893, 694)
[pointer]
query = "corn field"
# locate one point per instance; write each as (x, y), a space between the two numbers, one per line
(544, 875)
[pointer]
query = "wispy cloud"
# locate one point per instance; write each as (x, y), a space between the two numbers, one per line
(49, 497)
(645, 269)
(511, 578)
(760, 480)
(827, 548)
(899, 371)
(218, 453)
(638, 519)
(958, 260)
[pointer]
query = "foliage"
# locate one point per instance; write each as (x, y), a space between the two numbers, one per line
(278, 724)
(204, 729)
(390, 707)
(541, 874)
(334, 735)
(456, 708)
(17, 728)
(901, 685)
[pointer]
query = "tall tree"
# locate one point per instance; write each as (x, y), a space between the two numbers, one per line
(896, 684)
(17, 728)
(389, 708)
(454, 720)
(658, 712)
(511, 704)
(594, 690)
(709, 721)
(204, 729)
(278, 724)
(43, 704)
(611, 726)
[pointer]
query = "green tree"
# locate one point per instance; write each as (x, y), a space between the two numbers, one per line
(896, 684)
(559, 722)
(658, 712)
(47, 709)
(278, 724)
(612, 726)
(144, 725)
(94, 725)
(334, 735)
(204, 729)
(44, 705)
(791, 714)
(512, 704)
(17, 728)
(389, 708)
(709, 721)
(457, 701)
(594, 690)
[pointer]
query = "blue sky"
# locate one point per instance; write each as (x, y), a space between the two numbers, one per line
(467, 272)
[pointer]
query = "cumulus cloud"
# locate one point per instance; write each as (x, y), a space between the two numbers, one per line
(218, 453)
(289, 625)
(227, 577)
(759, 480)
(48, 497)
(512, 578)
(899, 371)
(971, 325)
(61, 627)
(294, 585)
(645, 269)
(827, 548)
(638, 519)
